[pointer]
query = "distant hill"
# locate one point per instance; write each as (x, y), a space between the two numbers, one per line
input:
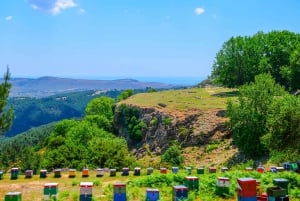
(46, 86)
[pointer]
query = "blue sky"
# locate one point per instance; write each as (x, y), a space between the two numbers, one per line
(130, 38)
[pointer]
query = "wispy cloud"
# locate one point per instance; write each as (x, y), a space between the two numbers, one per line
(8, 18)
(81, 11)
(52, 6)
(199, 11)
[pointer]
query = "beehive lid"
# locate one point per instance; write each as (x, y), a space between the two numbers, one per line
(72, 170)
(51, 184)
(152, 190)
(57, 170)
(191, 178)
(223, 178)
(137, 168)
(125, 168)
(14, 168)
(43, 170)
(180, 187)
(119, 184)
(13, 193)
(86, 184)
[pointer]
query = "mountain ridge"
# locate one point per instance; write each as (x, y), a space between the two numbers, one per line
(48, 85)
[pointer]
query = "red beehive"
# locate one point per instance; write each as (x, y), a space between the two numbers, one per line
(260, 169)
(246, 187)
(163, 170)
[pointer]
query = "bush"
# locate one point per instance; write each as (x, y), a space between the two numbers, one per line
(173, 155)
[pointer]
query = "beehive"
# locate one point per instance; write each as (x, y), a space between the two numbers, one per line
(200, 170)
(222, 187)
(152, 194)
(119, 192)
(246, 188)
(179, 193)
(1, 175)
(86, 191)
(125, 171)
(72, 173)
(50, 191)
(85, 172)
(188, 170)
(175, 170)
(13, 196)
(163, 170)
(137, 171)
(149, 171)
(99, 172)
(212, 170)
(57, 173)
(43, 173)
(192, 182)
(28, 173)
(14, 173)
(112, 172)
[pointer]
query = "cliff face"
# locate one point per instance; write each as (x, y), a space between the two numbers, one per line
(188, 128)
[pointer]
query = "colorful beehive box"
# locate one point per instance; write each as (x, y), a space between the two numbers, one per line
(179, 193)
(1, 175)
(260, 169)
(137, 171)
(85, 172)
(28, 173)
(192, 182)
(13, 196)
(112, 172)
(280, 169)
(282, 183)
(247, 198)
(72, 173)
(188, 170)
(152, 194)
(163, 170)
(246, 187)
(222, 187)
(276, 192)
(86, 191)
(224, 169)
(119, 192)
(286, 166)
(175, 170)
(14, 173)
(200, 170)
(57, 173)
(43, 173)
(249, 169)
(50, 191)
(149, 171)
(99, 172)
(212, 170)
(125, 171)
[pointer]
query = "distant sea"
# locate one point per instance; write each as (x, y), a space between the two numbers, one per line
(182, 81)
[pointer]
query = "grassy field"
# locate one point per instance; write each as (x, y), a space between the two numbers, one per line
(32, 189)
(185, 99)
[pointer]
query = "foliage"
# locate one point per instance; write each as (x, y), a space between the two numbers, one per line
(125, 94)
(284, 128)
(167, 121)
(34, 112)
(248, 117)
(173, 155)
(6, 113)
(129, 117)
(242, 58)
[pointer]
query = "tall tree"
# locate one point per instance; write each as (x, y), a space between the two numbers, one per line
(6, 113)
(248, 116)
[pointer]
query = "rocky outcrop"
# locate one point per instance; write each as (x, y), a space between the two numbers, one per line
(188, 128)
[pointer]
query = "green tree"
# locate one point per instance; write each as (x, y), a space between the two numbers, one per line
(125, 94)
(248, 116)
(242, 58)
(173, 155)
(6, 113)
(283, 125)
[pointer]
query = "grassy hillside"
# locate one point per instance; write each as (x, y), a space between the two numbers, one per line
(185, 99)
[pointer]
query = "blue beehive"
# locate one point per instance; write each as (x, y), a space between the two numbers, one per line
(86, 191)
(175, 170)
(125, 172)
(247, 198)
(180, 193)
(287, 166)
(119, 192)
(152, 194)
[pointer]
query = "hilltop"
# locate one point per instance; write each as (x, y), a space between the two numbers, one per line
(196, 120)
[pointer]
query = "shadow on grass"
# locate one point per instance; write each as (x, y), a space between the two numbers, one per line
(227, 94)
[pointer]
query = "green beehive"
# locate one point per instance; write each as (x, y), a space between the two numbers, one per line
(112, 172)
(222, 187)
(200, 170)
(13, 196)
(14, 173)
(50, 191)
(1, 175)
(192, 182)
(282, 183)
(57, 173)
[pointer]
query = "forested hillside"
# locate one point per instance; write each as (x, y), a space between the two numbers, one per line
(34, 112)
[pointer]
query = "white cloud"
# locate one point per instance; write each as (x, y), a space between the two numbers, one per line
(199, 11)
(81, 11)
(8, 18)
(52, 6)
